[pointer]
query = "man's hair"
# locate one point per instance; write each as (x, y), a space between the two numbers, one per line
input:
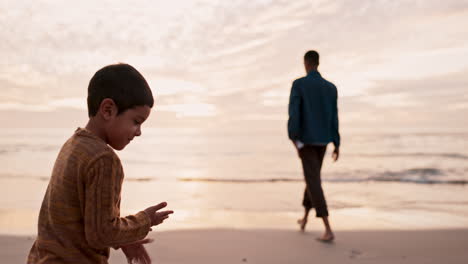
(123, 84)
(312, 57)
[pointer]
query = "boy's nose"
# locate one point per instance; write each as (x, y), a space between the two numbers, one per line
(138, 132)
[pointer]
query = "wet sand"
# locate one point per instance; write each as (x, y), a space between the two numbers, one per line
(202, 246)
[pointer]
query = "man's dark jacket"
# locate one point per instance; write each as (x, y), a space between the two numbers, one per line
(313, 111)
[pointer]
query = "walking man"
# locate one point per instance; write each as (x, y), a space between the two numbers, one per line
(312, 124)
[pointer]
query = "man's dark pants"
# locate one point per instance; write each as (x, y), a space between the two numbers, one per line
(312, 159)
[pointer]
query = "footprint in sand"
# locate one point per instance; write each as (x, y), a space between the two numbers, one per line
(355, 253)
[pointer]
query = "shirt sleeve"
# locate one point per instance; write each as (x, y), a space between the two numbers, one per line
(336, 131)
(294, 124)
(103, 225)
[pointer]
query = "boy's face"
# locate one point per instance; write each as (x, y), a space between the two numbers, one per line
(124, 127)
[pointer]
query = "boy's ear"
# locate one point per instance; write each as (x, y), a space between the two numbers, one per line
(108, 109)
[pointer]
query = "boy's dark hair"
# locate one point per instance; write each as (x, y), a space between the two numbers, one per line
(123, 84)
(312, 57)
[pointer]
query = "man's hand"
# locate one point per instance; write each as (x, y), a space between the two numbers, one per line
(136, 252)
(294, 144)
(336, 154)
(297, 149)
(155, 216)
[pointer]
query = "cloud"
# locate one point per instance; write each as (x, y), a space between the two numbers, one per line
(437, 90)
(190, 109)
(237, 57)
(51, 105)
(437, 102)
(163, 86)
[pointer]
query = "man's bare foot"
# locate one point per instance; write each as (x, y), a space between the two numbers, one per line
(302, 222)
(327, 237)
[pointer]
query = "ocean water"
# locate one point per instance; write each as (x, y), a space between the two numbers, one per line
(253, 178)
(193, 154)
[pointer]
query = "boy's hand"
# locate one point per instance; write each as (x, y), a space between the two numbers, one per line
(155, 216)
(136, 252)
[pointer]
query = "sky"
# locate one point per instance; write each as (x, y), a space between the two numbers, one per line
(396, 64)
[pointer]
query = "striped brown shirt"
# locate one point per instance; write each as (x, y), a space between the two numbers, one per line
(80, 215)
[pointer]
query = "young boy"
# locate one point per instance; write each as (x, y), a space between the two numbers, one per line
(80, 215)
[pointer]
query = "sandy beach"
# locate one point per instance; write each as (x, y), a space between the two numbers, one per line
(286, 246)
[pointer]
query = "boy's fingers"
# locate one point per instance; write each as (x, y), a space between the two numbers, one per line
(145, 256)
(159, 206)
(146, 241)
(164, 213)
(161, 214)
(143, 241)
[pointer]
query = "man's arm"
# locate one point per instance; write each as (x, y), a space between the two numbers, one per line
(103, 225)
(294, 122)
(336, 132)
